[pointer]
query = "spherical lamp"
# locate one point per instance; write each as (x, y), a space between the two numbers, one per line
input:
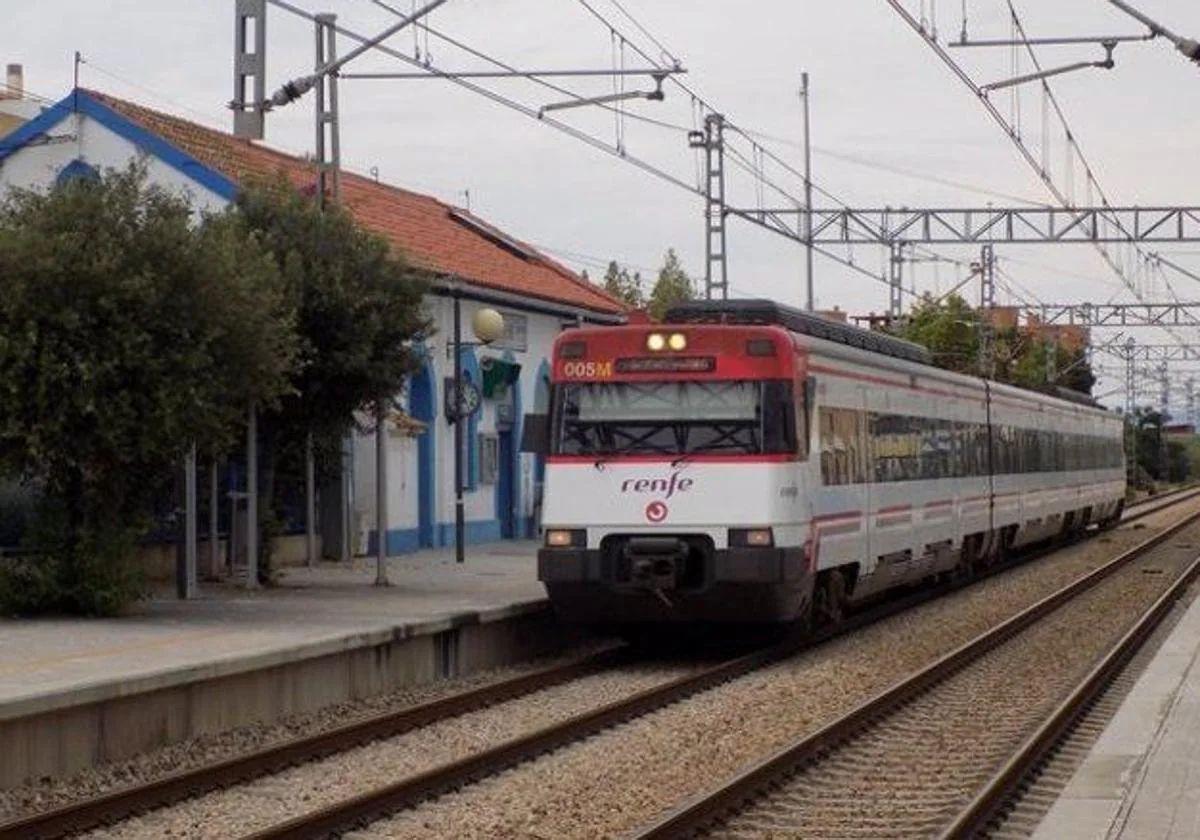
(488, 325)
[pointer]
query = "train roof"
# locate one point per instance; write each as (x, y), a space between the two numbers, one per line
(768, 312)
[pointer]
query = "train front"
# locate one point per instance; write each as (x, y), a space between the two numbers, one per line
(676, 480)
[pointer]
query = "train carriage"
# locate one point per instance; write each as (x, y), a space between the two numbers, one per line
(744, 462)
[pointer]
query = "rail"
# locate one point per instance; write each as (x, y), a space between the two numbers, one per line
(113, 806)
(710, 807)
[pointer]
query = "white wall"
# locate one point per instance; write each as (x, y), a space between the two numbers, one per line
(36, 167)
(480, 503)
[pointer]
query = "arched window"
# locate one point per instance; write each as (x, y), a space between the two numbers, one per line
(76, 170)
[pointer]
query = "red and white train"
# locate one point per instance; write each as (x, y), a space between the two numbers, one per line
(745, 462)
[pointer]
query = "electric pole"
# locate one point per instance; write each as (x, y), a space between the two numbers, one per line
(712, 141)
(808, 243)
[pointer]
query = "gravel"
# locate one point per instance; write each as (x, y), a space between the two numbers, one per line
(612, 783)
(279, 797)
(700, 740)
(911, 773)
(48, 793)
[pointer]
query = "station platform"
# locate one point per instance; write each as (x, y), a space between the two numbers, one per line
(76, 692)
(1141, 779)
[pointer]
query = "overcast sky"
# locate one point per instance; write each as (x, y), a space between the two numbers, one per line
(891, 125)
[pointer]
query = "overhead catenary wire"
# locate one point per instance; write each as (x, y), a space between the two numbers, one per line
(1012, 129)
(559, 125)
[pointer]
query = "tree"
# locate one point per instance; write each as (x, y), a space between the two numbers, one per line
(358, 306)
(619, 283)
(949, 328)
(127, 333)
(673, 286)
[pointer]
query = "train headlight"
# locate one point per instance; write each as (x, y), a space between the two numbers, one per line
(751, 538)
(563, 538)
(655, 342)
(677, 342)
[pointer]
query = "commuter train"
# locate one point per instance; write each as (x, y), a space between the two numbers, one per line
(744, 462)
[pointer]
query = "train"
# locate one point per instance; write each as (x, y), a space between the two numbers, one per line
(743, 462)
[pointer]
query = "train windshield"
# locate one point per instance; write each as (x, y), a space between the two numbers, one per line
(677, 418)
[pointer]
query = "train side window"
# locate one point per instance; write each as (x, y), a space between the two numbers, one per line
(843, 446)
(832, 449)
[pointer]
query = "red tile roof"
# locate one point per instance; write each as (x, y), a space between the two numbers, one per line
(424, 229)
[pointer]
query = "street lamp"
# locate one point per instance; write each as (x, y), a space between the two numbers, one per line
(462, 402)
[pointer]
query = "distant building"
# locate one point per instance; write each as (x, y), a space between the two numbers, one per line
(835, 314)
(1072, 337)
(872, 321)
(1002, 317)
(1179, 430)
(15, 107)
(468, 257)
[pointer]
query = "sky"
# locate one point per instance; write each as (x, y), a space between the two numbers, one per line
(891, 125)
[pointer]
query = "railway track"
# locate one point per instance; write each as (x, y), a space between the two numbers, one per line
(1159, 501)
(942, 752)
(121, 804)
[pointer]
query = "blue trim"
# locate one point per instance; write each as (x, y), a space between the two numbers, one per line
(422, 404)
(479, 531)
(470, 371)
(76, 170)
(541, 390)
(541, 403)
(16, 140)
(81, 102)
(399, 541)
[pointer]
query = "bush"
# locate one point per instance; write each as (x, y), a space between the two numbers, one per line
(93, 574)
(128, 333)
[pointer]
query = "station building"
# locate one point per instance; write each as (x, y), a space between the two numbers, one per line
(88, 131)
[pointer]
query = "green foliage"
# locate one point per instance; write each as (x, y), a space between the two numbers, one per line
(624, 286)
(127, 332)
(89, 574)
(951, 329)
(358, 306)
(358, 309)
(1159, 457)
(673, 286)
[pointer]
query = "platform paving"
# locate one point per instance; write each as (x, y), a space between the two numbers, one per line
(46, 663)
(1141, 780)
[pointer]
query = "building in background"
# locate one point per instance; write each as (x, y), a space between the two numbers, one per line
(15, 107)
(88, 131)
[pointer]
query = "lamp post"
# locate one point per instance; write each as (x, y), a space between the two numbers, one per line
(488, 326)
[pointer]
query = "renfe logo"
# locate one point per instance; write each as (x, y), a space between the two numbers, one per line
(656, 512)
(668, 487)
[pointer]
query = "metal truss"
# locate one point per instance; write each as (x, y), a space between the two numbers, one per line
(1120, 314)
(1152, 352)
(1017, 225)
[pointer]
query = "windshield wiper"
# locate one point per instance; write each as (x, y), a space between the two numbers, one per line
(604, 457)
(683, 458)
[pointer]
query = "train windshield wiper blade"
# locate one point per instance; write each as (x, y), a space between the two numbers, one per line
(683, 457)
(603, 458)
